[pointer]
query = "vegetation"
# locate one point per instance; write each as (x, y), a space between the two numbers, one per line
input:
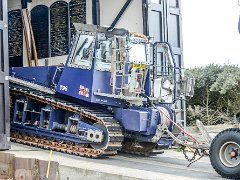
(217, 94)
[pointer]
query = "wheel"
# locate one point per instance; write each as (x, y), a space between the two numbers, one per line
(105, 142)
(225, 153)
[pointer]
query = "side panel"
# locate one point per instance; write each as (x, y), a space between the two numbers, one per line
(156, 19)
(47, 76)
(4, 92)
(76, 82)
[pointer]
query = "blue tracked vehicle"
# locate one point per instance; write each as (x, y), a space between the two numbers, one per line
(114, 93)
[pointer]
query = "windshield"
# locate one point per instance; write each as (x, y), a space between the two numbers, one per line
(83, 52)
(137, 53)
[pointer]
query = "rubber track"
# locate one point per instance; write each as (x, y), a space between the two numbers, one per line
(113, 127)
(42, 142)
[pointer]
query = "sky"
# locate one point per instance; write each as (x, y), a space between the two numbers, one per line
(210, 32)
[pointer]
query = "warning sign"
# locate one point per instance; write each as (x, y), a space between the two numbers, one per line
(139, 66)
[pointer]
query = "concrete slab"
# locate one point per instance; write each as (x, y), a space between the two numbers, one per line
(170, 165)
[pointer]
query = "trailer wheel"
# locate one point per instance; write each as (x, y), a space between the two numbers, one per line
(225, 153)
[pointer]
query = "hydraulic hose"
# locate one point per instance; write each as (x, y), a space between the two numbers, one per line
(161, 112)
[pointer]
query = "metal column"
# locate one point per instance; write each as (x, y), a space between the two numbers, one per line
(4, 84)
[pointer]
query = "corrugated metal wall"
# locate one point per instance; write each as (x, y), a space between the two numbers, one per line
(164, 23)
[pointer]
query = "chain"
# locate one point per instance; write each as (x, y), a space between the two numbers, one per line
(187, 157)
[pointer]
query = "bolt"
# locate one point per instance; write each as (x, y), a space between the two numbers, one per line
(232, 154)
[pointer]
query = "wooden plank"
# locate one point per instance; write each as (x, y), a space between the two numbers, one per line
(29, 56)
(32, 38)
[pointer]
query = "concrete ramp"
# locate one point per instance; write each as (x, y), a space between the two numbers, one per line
(24, 162)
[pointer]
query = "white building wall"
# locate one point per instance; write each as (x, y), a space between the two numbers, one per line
(131, 20)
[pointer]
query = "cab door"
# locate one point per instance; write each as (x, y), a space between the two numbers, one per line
(4, 84)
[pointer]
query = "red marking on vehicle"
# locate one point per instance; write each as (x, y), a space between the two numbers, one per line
(83, 91)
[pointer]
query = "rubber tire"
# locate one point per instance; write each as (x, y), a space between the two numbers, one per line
(218, 141)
